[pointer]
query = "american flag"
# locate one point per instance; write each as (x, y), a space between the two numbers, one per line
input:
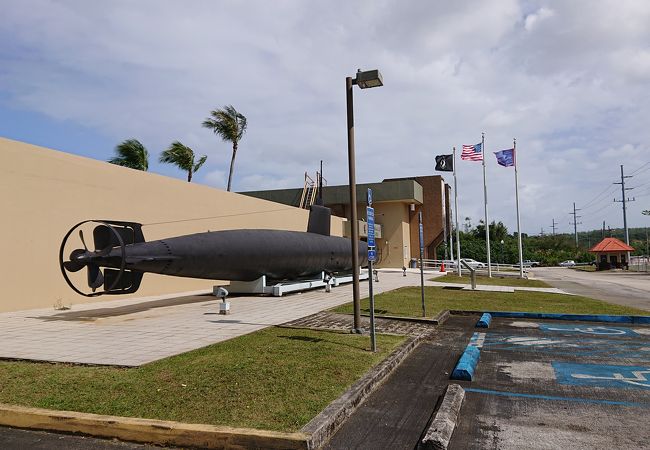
(472, 153)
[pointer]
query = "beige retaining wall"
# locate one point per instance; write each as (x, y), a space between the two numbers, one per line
(44, 192)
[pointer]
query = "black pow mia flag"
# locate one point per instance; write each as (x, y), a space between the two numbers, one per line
(445, 163)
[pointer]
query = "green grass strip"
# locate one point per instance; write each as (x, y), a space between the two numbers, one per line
(496, 280)
(407, 302)
(274, 379)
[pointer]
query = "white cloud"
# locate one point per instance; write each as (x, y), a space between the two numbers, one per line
(569, 82)
(531, 20)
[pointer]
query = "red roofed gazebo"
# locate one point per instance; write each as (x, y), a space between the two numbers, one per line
(611, 253)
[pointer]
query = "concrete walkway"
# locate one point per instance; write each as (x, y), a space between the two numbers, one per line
(493, 288)
(137, 331)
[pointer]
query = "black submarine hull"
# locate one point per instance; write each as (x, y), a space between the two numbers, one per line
(241, 255)
(121, 255)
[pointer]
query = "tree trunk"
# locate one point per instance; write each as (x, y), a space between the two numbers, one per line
(232, 164)
(189, 176)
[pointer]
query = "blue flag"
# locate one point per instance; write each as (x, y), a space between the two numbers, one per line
(506, 158)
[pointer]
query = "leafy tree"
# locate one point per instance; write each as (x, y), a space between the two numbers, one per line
(131, 153)
(183, 157)
(230, 126)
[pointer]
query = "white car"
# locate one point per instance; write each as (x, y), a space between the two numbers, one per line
(568, 263)
(473, 264)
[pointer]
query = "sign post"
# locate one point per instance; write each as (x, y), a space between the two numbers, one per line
(424, 309)
(372, 254)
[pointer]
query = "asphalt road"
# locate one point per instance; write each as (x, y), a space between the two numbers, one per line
(16, 439)
(621, 288)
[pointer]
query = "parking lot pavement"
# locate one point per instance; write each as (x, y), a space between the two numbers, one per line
(558, 384)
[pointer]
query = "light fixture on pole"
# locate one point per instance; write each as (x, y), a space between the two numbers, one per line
(366, 79)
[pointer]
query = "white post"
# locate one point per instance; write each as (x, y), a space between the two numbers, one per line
(487, 223)
(521, 253)
(460, 271)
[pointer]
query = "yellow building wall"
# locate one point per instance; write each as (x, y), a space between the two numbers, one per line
(393, 247)
(44, 192)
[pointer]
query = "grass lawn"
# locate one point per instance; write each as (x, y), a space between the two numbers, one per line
(494, 281)
(274, 379)
(407, 302)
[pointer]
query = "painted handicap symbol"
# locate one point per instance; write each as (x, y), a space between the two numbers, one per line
(638, 377)
(602, 375)
(598, 330)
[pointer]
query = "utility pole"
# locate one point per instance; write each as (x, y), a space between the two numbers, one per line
(553, 227)
(624, 200)
(575, 222)
(603, 235)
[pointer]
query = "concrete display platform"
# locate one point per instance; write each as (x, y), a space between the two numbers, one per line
(558, 384)
(137, 331)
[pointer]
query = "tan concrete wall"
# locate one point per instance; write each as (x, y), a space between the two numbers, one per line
(44, 192)
(433, 216)
(394, 244)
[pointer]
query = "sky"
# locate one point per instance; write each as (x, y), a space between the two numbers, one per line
(570, 80)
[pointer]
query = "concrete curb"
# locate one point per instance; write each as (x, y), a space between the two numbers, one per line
(438, 320)
(442, 427)
(577, 317)
(555, 316)
(160, 432)
(484, 321)
(464, 370)
(322, 427)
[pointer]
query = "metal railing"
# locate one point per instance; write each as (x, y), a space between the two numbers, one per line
(501, 269)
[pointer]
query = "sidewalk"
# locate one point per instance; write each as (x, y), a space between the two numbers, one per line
(137, 331)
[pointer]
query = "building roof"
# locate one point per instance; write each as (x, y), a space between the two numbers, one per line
(611, 245)
(404, 191)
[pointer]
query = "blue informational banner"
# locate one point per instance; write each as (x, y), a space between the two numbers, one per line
(370, 217)
(372, 255)
(369, 197)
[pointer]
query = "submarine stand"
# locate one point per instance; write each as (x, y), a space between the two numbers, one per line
(261, 287)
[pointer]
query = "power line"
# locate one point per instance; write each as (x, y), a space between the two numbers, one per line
(634, 172)
(593, 200)
(599, 210)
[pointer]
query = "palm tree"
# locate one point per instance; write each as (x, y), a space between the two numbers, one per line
(131, 153)
(230, 126)
(183, 157)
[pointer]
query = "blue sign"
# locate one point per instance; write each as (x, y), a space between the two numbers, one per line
(372, 254)
(421, 238)
(369, 197)
(370, 217)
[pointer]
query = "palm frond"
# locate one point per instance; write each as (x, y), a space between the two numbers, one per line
(179, 155)
(198, 165)
(131, 153)
(227, 123)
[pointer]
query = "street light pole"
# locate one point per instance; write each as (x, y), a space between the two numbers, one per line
(367, 79)
(354, 228)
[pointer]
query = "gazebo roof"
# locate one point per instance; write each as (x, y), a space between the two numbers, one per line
(611, 245)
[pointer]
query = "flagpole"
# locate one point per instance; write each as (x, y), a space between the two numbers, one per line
(487, 223)
(521, 253)
(460, 271)
(451, 231)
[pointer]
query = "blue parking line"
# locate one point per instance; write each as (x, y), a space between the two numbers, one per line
(557, 398)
